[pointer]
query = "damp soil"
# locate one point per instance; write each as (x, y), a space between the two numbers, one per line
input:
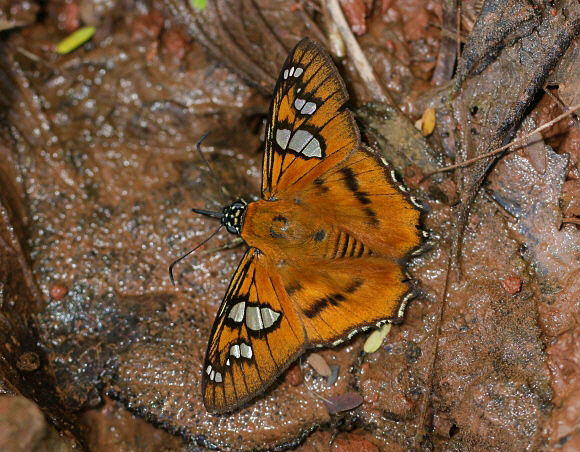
(99, 172)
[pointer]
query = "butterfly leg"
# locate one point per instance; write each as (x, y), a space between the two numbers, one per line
(235, 242)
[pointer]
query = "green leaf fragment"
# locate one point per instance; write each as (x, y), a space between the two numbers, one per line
(199, 4)
(75, 39)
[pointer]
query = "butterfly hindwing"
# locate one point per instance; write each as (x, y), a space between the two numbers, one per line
(341, 296)
(256, 335)
(306, 112)
(339, 244)
(356, 224)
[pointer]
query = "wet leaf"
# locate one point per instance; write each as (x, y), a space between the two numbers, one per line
(343, 402)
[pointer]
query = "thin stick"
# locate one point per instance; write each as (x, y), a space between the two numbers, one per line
(503, 148)
(571, 220)
(559, 102)
(360, 61)
(36, 58)
(429, 386)
(458, 40)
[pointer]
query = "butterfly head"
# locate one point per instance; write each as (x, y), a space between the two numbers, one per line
(233, 216)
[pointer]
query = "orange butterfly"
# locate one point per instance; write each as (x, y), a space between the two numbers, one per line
(327, 241)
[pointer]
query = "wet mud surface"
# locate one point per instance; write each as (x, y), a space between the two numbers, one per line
(99, 172)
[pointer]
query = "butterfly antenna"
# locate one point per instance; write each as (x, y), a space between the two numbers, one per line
(188, 253)
(198, 145)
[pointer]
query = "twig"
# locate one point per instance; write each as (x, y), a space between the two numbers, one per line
(560, 103)
(458, 36)
(360, 61)
(571, 220)
(36, 58)
(430, 375)
(503, 148)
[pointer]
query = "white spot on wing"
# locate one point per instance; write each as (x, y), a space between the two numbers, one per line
(235, 350)
(237, 312)
(285, 74)
(212, 375)
(269, 317)
(313, 149)
(253, 318)
(291, 71)
(299, 103)
(246, 350)
(218, 377)
(282, 137)
(208, 370)
(299, 140)
(309, 108)
(298, 72)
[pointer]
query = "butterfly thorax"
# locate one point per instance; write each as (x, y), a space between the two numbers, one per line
(287, 230)
(233, 216)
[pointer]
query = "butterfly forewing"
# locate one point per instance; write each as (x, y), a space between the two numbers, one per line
(306, 112)
(256, 335)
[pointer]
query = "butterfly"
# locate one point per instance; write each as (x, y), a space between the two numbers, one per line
(327, 241)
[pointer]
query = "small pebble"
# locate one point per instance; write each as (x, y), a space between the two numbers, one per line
(319, 364)
(512, 284)
(23, 425)
(294, 375)
(334, 374)
(428, 122)
(28, 361)
(58, 292)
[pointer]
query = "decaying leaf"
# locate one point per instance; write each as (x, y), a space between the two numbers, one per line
(343, 402)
